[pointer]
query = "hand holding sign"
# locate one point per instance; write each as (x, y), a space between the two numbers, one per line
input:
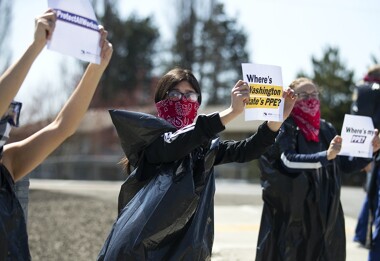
(290, 99)
(376, 141)
(239, 96)
(44, 28)
(334, 147)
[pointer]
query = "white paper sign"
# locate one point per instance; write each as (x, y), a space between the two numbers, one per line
(76, 30)
(357, 135)
(265, 83)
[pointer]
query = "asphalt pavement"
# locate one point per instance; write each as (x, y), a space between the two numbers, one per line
(238, 207)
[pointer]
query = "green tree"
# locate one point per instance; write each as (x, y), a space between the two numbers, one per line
(212, 45)
(5, 25)
(132, 63)
(335, 82)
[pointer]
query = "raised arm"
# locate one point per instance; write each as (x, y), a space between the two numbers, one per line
(14, 76)
(22, 157)
(239, 97)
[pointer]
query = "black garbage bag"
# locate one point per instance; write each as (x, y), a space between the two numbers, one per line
(161, 208)
(302, 217)
(136, 130)
(13, 232)
(297, 223)
(152, 218)
(196, 243)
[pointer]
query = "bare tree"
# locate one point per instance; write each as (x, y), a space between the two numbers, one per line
(211, 44)
(5, 23)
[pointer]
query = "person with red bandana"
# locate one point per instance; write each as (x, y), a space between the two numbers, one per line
(302, 216)
(166, 204)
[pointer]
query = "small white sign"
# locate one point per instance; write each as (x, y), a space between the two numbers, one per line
(357, 135)
(266, 89)
(76, 31)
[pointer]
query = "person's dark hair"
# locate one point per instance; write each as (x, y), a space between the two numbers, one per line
(171, 79)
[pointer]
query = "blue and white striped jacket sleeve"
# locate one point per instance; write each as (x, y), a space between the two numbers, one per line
(294, 162)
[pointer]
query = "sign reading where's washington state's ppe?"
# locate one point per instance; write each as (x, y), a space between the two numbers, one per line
(266, 89)
(76, 30)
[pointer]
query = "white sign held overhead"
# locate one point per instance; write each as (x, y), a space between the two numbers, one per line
(76, 31)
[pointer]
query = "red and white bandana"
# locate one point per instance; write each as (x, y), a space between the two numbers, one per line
(307, 116)
(179, 113)
(368, 78)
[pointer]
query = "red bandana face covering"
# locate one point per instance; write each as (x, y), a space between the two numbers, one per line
(179, 113)
(368, 78)
(307, 115)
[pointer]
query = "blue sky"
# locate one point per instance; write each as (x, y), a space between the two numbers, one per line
(283, 33)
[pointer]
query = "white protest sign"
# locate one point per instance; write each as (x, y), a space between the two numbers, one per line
(357, 135)
(265, 84)
(76, 30)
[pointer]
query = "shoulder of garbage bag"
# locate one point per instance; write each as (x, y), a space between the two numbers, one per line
(136, 130)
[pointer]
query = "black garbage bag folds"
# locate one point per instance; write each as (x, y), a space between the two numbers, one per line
(161, 207)
(13, 233)
(136, 130)
(302, 217)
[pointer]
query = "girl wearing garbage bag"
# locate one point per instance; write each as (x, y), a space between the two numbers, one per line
(166, 204)
(17, 159)
(302, 217)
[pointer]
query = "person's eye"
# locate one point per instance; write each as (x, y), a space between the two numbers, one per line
(174, 95)
(192, 96)
(302, 95)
